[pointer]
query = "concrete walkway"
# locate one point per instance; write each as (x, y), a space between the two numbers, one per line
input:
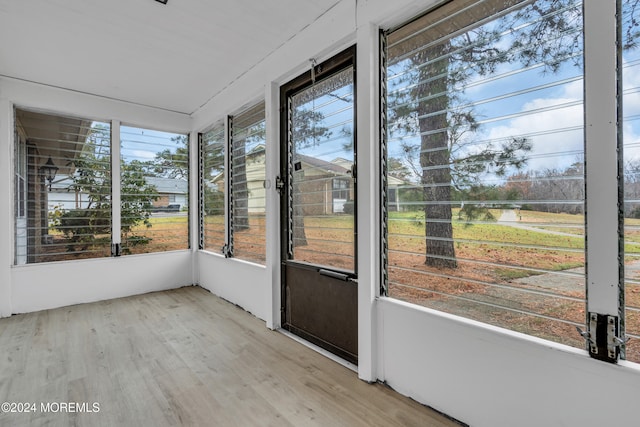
(571, 280)
(567, 280)
(510, 218)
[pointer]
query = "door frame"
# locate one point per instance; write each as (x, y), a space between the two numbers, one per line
(335, 64)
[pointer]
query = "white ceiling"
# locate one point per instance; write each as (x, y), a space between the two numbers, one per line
(175, 56)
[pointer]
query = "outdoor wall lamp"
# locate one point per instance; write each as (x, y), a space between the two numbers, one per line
(49, 170)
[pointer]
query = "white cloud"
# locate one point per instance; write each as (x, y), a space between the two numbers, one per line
(553, 126)
(141, 155)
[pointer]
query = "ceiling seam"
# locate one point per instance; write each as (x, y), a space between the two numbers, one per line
(95, 95)
(232, 82)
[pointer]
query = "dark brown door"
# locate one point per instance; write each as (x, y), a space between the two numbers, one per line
(319, 256)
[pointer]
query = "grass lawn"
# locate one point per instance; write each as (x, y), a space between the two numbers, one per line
(495, 281)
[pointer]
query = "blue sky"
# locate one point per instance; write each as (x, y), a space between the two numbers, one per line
(143, 144)
(516, 101)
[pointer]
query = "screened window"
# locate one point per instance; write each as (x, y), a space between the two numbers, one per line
(247, 198)
(484, 164)
(322, 160)
(341, 189)
(155, 190)
(62, 188)
(631, 150)
(212, 153)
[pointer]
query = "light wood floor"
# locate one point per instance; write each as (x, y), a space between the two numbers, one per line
(181, 357)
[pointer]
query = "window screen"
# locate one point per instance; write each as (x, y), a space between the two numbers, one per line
(62, 188)
(484, 183)
(247, 199)
(213, 187)
(155, 190)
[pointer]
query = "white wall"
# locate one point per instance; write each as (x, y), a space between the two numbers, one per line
(50, 285)
(39, 97)
(6, 209)
(242, 283)
(40, 286)
(487, 376)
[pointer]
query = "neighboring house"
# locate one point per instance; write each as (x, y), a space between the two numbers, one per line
(324, 186)
(255, 176)
(393, 194)
(63, 197)
(39, 138)
(171, 191)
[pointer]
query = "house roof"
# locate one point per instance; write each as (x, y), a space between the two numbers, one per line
(62, 138)
(63, 183)
(169, 185)
(321, 164)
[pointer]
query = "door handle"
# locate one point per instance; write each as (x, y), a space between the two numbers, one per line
(353, 172)
(334, 274)
(280, 185)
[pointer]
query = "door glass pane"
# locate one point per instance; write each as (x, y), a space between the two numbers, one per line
(485, 162)
(322, 188)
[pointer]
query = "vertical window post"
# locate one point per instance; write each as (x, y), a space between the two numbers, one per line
(603, 202)
(227, 250)
(115, 188)
(201, 192)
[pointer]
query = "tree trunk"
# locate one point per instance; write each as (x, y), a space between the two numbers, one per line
(432, 104)
(299, 234)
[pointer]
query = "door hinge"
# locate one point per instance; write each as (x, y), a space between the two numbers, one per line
(279, 185)
(602, 337)
(226, 251)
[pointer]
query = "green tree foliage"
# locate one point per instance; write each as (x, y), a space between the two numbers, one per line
(173, 164)
(213, 168)
(398, 169)
(245, 135)
(136, 204)
(545, 33)
(91, 225)
(308, 130)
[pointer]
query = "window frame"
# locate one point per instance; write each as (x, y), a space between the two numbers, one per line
(229, 249)
(224, 123)
(24, 151)
(604, 266)
(114, 171)
(187, 164)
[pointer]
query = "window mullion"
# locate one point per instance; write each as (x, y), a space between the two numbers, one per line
(201, 191)
(601, 160)
(228, 248)
(116, 194)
